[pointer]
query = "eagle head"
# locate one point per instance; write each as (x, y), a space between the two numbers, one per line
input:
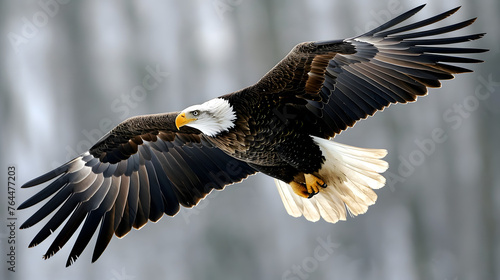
(211, 118)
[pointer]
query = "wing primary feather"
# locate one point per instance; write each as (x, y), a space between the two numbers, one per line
(131, 208)
(442, 41)
(144, 199)
(67, 231)
(105, 233)
(156, 209)
(419, 24)
(45, 177)
(436, 31)
(65, 210)
(44, 193)
(394, 21)
(121, 201)
(447, 50)
(432, 58)
(167, 188)
(86, 233)
(92, 221)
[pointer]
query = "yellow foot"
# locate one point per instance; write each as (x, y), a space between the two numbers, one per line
(313, 183)
(300, 189)
(310, 188)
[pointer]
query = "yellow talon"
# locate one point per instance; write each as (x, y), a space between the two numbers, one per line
(299, 189)
(310, 188)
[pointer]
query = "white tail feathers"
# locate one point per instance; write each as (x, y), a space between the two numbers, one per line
(351, 174)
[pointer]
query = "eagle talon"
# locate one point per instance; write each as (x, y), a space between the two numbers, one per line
(310, 188)
(314, 182)
(300, 189)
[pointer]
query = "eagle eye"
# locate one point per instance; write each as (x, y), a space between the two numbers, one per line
(195, 113)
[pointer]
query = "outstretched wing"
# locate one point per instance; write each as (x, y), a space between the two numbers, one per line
(340, 82)
(140, 170)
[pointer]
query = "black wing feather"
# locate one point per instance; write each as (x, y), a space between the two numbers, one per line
(344, 81)
(419, 24)
(105, 233)
(140, 170)
(394, 21)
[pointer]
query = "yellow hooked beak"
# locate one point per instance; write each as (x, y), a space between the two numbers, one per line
(181, 120)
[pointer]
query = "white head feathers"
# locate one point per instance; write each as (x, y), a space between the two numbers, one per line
(212, 117)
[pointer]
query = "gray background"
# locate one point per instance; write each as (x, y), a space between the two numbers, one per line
(66, 73)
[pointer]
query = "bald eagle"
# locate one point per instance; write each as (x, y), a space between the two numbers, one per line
(281, 126)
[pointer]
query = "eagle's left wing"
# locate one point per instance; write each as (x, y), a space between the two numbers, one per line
(340, 82)
(141, 169)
